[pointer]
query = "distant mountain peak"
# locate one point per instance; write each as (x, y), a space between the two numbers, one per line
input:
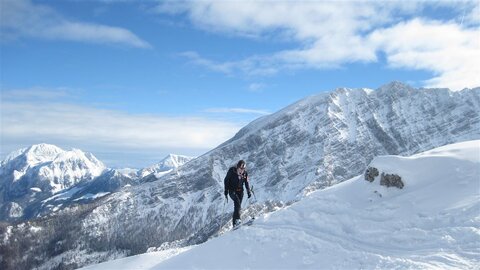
(169, 163)
(395, 86)
(37, 154)
(44, 149)
(34, 154)
(174, 160)
(47, 168)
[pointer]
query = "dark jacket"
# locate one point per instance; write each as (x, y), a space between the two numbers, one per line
(233, 183)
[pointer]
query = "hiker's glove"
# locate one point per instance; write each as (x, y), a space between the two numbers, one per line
(249, 194)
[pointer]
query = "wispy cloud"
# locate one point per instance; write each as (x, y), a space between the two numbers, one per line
(448, 50)
(256, 87)
(236, 110)
(195, 58)
(331, 34)
(255, 65)
(52, 120)
(36, 93)
(22, 18)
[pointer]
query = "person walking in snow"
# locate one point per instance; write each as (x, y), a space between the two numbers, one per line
(234, 181)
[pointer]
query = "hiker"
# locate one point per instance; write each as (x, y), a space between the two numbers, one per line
(234, 181)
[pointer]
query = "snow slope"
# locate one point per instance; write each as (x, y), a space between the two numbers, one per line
(433, 222)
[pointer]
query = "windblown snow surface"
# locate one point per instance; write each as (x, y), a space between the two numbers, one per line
(433, 222)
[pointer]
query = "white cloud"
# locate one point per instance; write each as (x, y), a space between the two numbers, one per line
(236, 110)
(472, 15)
(198, 60)
(326, 31)
(35, 93)
(330, 34)
(448, 50)
(21, 18)
(120, 139)
(255, 65)
(108, 129)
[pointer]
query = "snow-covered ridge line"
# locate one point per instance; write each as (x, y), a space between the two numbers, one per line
(42, 178)
(170, 163)
(432, 222)
(51, 161)
(35, 154)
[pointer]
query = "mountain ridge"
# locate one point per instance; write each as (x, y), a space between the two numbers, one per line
(168, 164)
(310, 145)
(42, 172)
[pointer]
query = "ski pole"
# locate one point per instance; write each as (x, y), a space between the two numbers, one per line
(253, 194)
(250, 203)
(225, 203)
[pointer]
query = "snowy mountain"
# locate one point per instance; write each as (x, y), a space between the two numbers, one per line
(310, 145)
(49, 165)
(37, 172)
(432, 222)
(44, 178)
(168, 164)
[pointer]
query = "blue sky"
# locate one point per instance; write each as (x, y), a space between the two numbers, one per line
(131, 81)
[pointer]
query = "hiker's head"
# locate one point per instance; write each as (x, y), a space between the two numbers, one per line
(241, 165)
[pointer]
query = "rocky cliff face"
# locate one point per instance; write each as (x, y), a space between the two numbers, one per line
(312, 144)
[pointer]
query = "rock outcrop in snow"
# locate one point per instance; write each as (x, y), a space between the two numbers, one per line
(388, 180)
(371, 173)
(391, 180)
